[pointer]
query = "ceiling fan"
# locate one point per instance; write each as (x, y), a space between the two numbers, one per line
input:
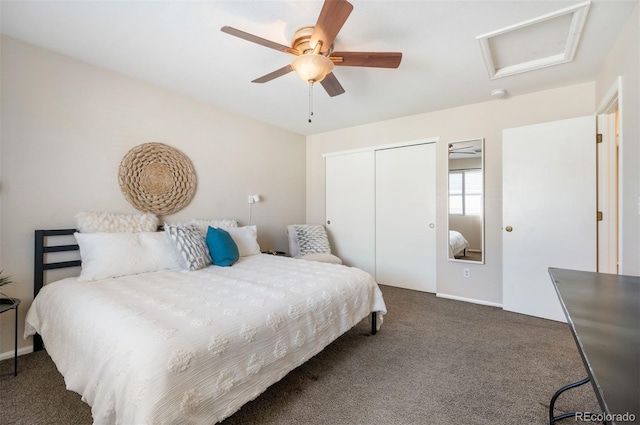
(463, 150)
(312, 47)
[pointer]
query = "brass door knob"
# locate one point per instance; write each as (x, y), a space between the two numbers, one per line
(508, 228)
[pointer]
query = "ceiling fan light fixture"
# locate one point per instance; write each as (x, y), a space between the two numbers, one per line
(312, 68)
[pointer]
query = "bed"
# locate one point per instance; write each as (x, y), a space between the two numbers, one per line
(175, 346)
(457, 244)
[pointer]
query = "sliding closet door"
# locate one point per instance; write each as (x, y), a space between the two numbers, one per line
(405, 217)
(548, 210)
(350, 208)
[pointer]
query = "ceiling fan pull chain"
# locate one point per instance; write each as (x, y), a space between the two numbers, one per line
(310, 100)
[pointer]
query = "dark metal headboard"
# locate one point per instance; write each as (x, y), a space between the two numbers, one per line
(40, 264)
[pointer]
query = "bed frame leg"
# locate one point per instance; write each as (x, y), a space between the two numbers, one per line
(37, 343)
(374, 324)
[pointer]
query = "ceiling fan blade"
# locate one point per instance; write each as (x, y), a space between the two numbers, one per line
(451, 148)
(332, 85)
(273, 75)
(259, 40)
(332, 17)
(369, 59)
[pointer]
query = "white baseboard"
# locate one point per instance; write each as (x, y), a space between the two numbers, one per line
(468, 300)
(21, 351)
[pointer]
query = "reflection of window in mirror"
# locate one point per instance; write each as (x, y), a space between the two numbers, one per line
(465, 192)
(466, 211)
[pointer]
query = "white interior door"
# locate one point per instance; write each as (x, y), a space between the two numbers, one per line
(607, 152)
(405, 217)
(549, 202)
(350, 208)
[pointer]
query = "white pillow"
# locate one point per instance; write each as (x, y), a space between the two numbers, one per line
(94, 222)
(246, 239)
(106, 255)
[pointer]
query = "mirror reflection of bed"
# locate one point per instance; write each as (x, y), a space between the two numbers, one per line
(461, 249)
(466, 199)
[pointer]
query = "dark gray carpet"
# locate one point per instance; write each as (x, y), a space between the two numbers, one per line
(435, 361)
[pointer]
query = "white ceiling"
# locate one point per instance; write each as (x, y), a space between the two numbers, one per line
(179, 45)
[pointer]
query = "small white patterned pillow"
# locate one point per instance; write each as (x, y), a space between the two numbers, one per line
(312, 239)
(105, 222)
(191, 244)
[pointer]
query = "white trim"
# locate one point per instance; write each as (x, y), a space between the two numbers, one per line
(468, 300)
(385, 146)
(606, 195)
(578, 20)
(621, 234)
(21, 351)
(610, 99)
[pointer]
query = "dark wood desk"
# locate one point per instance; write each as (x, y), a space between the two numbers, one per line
(603, 311)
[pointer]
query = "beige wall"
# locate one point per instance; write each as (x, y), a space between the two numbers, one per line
(623, 61)
(468, 122)
(66, 126)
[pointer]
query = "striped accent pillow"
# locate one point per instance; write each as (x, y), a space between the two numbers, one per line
(312, 239)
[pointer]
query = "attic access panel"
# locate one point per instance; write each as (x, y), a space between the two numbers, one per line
(548, 40)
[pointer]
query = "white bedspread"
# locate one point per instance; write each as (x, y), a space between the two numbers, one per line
(193, 347)
(457, 243)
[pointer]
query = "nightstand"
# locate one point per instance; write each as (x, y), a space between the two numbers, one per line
(7, 304)
(278, 253)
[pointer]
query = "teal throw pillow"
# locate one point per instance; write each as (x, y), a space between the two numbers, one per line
(223, 250)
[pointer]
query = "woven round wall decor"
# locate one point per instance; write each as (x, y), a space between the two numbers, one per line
(157, 178)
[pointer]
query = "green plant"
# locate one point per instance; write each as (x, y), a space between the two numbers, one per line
(4, 280)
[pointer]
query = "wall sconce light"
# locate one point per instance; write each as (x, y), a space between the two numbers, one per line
(252, 199)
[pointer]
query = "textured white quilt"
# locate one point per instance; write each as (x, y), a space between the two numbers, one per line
(457, 243)
(192, 347)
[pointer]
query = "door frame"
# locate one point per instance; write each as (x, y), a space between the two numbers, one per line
(608, 229)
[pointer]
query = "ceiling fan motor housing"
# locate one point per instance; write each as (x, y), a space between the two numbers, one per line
(301, 38)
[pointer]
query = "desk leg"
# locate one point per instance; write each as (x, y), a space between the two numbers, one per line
(553, 419)
(15, 347)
